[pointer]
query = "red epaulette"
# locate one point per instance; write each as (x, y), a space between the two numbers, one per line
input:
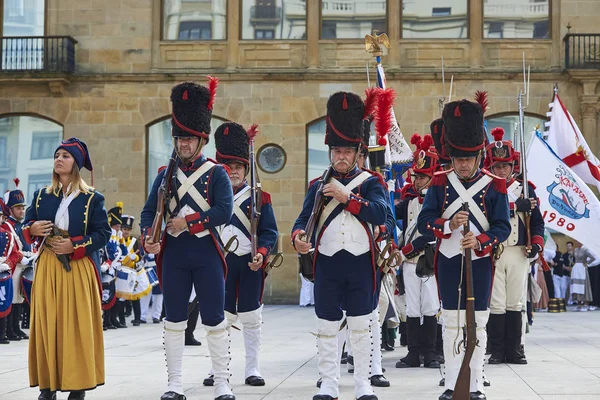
(499, 184)
(520, 179)
(313, 181)
(532, 185)
(440, 178)
(266, 198)
(161, 169)
(406, 193)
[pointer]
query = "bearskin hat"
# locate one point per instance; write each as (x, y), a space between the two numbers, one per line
(345, 114)
(425, 160)
(463, 133)
(499, 151)
(437, 134)
(232, 142)
(192, 108)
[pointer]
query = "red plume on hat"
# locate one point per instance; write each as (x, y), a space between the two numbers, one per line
(425, 158)
(498, 134)
(481, 98)
(213, 82)
(16, 181)
(252, 131)
(371, 102)
(385, 104)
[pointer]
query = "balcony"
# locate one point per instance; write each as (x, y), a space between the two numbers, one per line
(500, 9)
(356, 8)
(265, 14)
(582, 51)
(38, 54)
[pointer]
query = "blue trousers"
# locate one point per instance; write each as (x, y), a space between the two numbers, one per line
(448, 277)
(343, 281)
(243, 287)
(190, 260)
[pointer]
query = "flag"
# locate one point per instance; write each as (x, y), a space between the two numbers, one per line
(549, 246)
(565, 138)
(567, 204)
(397, 150)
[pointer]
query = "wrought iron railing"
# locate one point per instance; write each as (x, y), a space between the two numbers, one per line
(38, 54)
(268, 12)
(582, 51)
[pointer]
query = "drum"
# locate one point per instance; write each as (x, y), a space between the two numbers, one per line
(125, 283)
(6, 293)
(142, 285)
(27, 283)
(109, 293)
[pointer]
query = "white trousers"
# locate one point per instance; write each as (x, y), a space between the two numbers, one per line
(157, 306)
(510, 279)
(561, 283)
(144, 304)
(421, 293)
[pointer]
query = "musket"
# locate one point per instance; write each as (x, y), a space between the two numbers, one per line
(163, 199)
(522, 145)
(463, 382)
(442, 100)
(255, 196)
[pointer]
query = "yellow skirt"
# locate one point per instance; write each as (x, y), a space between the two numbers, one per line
(66, 345)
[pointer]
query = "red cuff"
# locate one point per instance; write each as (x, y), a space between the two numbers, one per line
(355, 203)
(79, 251)
(382, 233)
(538, 240)
(407, 249)
(294, 234)
(486, 245)
(438, 228)
(27, 235)
(193, 223)
(264, 252)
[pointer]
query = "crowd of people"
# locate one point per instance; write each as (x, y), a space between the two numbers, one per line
(469, 253)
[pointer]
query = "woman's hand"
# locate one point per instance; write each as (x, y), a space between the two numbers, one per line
(62, 246)
(41, 228)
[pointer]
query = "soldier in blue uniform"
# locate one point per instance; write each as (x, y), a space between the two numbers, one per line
(344, 264)
(512, 268)
(191, 252)
(421, 291)
(489, 222)
(246, 275)
(15, 202)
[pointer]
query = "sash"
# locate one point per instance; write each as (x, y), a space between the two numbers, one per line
(353, 184)
(64, 208)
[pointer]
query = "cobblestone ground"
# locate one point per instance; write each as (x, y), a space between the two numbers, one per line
(563, 351)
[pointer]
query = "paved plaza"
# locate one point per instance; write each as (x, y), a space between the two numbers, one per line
(563, 352)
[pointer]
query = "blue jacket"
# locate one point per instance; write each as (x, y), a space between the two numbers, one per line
(88, 222)
(536, 221)
(415, 246)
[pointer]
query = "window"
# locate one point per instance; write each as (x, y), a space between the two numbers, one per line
(273, 19)
(495, 30)
(23, 18)
(434, 19)
(160, 145)
(521, 19)
(194, 20)
(37, 181)
(27, 146)
(510, 124)
(352, 19)
(44, 144)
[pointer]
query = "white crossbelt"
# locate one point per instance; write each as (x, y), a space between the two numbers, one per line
(187, 187)
(238, 200)
(353, 184)
(466, 196)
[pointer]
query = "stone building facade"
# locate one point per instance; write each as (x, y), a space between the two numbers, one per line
(124, 70)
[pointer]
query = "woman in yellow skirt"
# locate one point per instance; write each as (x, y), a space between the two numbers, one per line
(68, 218)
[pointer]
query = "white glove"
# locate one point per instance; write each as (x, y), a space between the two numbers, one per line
(4, 267)
(104, 267)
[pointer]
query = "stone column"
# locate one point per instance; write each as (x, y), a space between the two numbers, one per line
(394, 25)
(475, 32)
(313, 29)
(589, 113)
(233, 34)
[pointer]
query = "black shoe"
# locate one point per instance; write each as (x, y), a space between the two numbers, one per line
(442, 382)
(76, 395)
(441, 359)
(368, 397)
(225, 397)
(432, 364)
(4, 340)
(143, 321)
(387, 347)
(255, 381)
(350, 360)
(111, 326)
(447, 395)
(104, 328)
(191, 341)
(379, 381)
(155, 320)
(412, 360)
(13, 338)
(210, 381)
(477, 396)
(344, 357)
(323, 397)
(496, 359)
(486, 382)
(122, 325)
(46, 394)
(172, 396)
(22, 334)
(319, 381)
(136, 322)
(520, 360)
